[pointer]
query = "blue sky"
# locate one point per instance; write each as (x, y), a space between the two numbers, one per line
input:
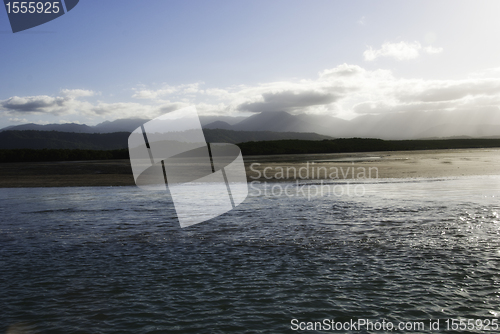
(119, 58)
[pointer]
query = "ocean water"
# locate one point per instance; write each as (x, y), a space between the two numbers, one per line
(114, 260)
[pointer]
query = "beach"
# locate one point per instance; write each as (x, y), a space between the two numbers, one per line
(278, 168)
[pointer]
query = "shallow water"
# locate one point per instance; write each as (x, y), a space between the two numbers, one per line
(102, 260)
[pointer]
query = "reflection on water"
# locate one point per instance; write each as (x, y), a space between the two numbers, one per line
(20, 328)
(98, 260)
(350, 159)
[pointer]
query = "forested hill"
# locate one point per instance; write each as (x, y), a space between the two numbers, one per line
(32, 139)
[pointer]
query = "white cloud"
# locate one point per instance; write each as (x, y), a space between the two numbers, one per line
(486, 73)
(190, 88)
(67, 103)
(18, 120)
(74, 93)
(217, 92)
(432, 50)
(399, 51)
(342, 70)
(123, 110)
(155, 94)
(34, 104)
(64, 121)
(289, 100)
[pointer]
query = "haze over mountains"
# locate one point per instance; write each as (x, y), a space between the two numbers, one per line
(407, 125)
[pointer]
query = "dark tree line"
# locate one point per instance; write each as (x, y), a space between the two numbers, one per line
(261, 148)
(359, 145)
(31, 155)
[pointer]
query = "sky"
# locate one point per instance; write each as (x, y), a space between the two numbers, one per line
(113, 59)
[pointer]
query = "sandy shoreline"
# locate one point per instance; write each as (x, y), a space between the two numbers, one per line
(336, 166)
(398, 164)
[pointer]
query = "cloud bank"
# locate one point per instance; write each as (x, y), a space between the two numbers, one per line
(399, 51)
(344, 91)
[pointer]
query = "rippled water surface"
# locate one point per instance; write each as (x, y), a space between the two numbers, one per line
(103, 260)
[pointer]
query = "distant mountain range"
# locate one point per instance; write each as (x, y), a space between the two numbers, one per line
(119, 125)
(407, 125)
(34, 139)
